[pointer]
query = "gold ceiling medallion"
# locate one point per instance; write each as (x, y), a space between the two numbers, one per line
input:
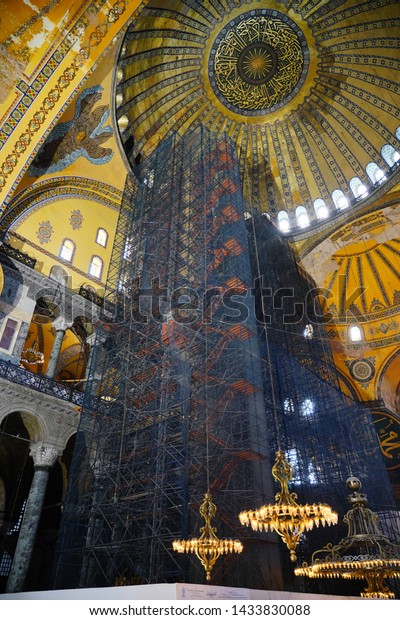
(208, 547)
(365, 553)
(258, 62)
(287, 518)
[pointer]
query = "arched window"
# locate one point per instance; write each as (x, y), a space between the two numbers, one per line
(149, 180)
(390, 155)
(308, 332)
(101, 237)
(67, 250)
(355, 333)
(358, 188)
(339, 199)
(307, 407)
(375, 173)
(292, 456)
(320, 208)
(302, 217)
(123, 122)
(293, 459)
(288, 406)
(96, 267)
(283, 221)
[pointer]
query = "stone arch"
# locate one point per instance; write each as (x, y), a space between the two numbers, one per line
(56, 190)
(59, 274)
(34, 422)
(16, 469)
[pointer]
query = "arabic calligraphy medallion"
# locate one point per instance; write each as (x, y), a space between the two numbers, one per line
(258, 62)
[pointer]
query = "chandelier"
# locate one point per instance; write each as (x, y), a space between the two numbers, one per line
(286, 517)
(365, 553)
(208, 548)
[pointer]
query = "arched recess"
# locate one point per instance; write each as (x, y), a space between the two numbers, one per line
(16, 472)
(18, 430)
(60, 275)
(57, 190)
(74, 354)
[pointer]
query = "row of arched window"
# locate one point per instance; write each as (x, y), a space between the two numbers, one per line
(96, 264)
(376, 176)
(67, 253)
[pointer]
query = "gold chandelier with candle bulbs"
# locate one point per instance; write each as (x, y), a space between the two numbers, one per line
(365, 553)
(286, 517)
(208, 547)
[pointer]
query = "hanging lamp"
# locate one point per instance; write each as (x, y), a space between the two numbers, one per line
(286, 517)
(365, 553)
(208, 547)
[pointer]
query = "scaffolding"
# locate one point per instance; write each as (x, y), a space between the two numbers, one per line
(191, 390)
(326, 435)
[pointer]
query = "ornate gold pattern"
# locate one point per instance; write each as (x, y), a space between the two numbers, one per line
(259, 62)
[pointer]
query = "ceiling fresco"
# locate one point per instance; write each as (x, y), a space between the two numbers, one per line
(47, 50)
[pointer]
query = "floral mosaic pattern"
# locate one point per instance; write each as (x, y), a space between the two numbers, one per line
(76, 220)
(44, 232)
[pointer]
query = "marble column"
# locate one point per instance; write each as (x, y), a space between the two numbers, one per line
(60, 327)
(44, 457)
(91, 363)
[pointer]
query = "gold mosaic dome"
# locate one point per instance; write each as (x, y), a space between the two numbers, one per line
(309, 92)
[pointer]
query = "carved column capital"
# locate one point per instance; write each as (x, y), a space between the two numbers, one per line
(60, 324)
(43, 455)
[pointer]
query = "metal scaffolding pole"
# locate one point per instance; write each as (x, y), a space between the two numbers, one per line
(184, 392)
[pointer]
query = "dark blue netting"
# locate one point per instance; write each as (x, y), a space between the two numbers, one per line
(326, 436)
